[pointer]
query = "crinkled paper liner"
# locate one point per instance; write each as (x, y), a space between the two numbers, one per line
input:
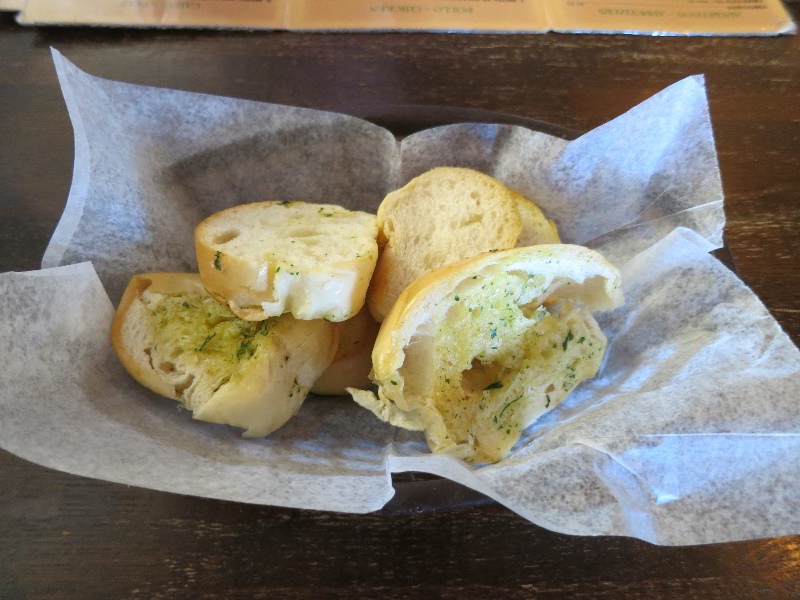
(689, 434)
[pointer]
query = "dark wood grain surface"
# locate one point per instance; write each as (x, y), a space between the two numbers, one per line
(71, 537)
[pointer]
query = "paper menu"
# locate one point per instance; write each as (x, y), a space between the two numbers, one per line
(760, 17)
(670, 16)
(461, 15)
(246, 14)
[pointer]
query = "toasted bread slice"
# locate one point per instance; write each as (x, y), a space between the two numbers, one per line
(311, 260)
(353, 360)
(474, 352)
(445, 215)
(175, 339)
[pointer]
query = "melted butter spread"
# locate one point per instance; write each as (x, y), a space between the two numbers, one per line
(500, 357)
(191, 329)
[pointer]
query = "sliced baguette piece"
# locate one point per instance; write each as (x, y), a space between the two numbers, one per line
(314, 261)
(442, 216)
(353, 360)
(474, 352)
(536, 228)
(175, 339)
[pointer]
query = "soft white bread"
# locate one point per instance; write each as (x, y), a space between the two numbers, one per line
(311, 260)
(353, 360)
(442, 216)
(175, 339)
(474, 352)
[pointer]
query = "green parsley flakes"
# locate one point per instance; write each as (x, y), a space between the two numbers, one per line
(205, 341)
(566, 340)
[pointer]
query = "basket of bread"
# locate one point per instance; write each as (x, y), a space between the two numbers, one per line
(455, 311)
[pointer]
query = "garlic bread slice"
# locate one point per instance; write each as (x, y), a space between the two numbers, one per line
(474, 352)
(314, 261)
(177, 340)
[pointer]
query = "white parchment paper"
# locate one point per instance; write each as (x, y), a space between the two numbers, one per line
(689, 434)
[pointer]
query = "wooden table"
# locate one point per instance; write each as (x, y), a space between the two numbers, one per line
(70, 537)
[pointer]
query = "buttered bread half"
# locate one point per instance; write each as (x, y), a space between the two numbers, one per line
(264, 259)
(473, 353)
(177, 340)
(445, 215)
